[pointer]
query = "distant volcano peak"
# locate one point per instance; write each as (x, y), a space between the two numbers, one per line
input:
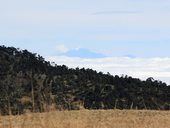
(83, 53)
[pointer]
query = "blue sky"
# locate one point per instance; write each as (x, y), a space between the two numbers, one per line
(105, 31)
(110, 27)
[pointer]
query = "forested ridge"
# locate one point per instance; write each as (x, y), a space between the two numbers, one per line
(28, 82)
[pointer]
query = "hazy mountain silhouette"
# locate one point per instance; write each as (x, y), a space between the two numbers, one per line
(83, 53)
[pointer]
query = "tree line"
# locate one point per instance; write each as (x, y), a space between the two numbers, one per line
(28, 82)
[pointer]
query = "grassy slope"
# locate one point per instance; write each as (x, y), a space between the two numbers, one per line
(90, 119)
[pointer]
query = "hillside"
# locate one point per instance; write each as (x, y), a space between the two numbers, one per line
(28, 82)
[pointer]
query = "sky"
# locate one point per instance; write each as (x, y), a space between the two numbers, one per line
(122, 37)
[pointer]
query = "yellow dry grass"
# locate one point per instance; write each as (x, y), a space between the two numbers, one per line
(89, 119)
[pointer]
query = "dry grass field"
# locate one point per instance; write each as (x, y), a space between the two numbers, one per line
(89, 119)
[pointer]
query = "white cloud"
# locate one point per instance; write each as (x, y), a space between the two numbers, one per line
(61, 48)
(142, 68)
(114, 12)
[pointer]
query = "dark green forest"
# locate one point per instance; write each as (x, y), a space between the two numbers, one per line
(28, 82)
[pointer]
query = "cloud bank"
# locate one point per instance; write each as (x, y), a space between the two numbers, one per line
(158, 68)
